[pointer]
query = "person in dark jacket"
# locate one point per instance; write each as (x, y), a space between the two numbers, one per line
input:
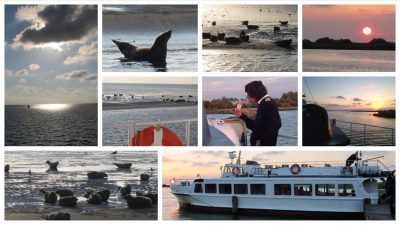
(265, 126)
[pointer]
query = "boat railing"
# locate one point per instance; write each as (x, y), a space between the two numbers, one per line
(181, 182)
(364, 134)
(133, 127)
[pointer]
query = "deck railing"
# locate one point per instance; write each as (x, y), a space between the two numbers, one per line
(364, 134)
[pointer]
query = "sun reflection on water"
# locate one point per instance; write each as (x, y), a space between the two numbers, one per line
(52, 107)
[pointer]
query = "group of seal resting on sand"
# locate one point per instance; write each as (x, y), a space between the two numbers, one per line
(243, 37)
(66, 197)
(157, 54)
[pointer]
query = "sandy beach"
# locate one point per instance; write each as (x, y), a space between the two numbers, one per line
(145, 105)
(76, 214)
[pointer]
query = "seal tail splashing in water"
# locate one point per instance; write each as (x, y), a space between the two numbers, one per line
(157, 54)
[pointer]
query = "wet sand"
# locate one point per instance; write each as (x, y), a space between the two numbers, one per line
(145, 105)
(102, 214)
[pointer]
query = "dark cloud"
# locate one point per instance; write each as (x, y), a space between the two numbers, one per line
(357, 99)
(83, 75)
(62, 23)
(340, 97)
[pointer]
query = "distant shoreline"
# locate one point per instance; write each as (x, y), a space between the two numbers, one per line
(252, 110)
(346, 44)
(145, 105)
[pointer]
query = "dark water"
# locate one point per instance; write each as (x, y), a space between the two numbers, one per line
(38, 125)
(140, 25)
(22, 190)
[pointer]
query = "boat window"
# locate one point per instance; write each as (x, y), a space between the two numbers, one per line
(240, 189)
(210, 188)
(325, 189)
(303, 189)
(282, 189)
(257, 189)
(225, 188)
(198, 188)
(346, 190)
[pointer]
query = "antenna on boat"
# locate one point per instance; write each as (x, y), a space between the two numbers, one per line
(238, 159)
(232, 156)
(308, 87)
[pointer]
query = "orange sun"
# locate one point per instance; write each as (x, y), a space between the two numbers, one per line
(367, 30)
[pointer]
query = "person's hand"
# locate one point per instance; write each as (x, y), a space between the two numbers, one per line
(258, 142)
(238, 112)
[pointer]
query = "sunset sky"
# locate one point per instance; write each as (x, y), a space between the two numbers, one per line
(50, 54)
(351, 93)
(233, 87)
(348, 21)
(207, 163)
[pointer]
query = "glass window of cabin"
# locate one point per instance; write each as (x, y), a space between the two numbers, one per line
(198, 188)
(282, 189)
(325, 190)
(225, 188)
(210, 188)
(303, 189)
(240, 189)
(257, 189)
(346, 190)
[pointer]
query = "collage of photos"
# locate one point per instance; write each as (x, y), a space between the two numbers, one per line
(275, 112)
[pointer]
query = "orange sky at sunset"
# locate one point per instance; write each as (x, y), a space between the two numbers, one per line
(348, 21)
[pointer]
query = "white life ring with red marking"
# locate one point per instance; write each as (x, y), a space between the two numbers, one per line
(235, 170)
(295, 169)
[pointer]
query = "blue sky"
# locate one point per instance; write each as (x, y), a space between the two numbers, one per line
(217, 87)
(355, 93)
(50, 54)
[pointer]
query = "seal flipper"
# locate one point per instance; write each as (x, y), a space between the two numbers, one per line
(128, 50)
(158, 51)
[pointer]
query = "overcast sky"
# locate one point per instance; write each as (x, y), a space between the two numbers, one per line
(50, 54)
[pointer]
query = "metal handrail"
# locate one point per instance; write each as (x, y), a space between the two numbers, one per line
(364, 131)
(132, 127)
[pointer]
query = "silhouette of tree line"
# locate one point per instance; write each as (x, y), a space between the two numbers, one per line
(347, 44)
(288, 99)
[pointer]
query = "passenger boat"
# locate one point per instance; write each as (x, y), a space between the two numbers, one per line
(297, 189)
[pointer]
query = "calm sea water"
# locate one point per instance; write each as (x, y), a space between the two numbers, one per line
(320, 60)
(287, 133)
(182, 46)
(71, 125)
(22, 190)
(147, 92)
(375, 136)
(117, 136)
(260, 54)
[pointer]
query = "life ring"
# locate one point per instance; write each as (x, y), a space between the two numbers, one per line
(295, 169)
(150, 136)
(235, 170)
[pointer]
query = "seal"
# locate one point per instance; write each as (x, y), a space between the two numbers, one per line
(144, 177)
(96, 175)
(104, 194)
(138, 202)
(157, 53)
(93, 198)
(7, 168)
(65, 192)
(49, 197)
(58, 216)
(125, 190)
(69, 201)
(52, 165)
